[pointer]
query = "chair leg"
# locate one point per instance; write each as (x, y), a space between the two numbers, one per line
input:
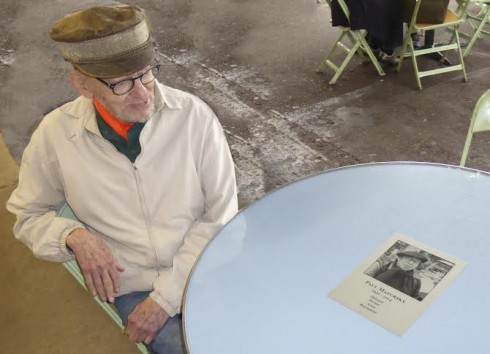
(344, 63)
(353, 40)
(415, 65)
(369, 52)
(473, 19)
(461, 7)
(461, 59)
(466, 148)
(326, 60)
(477, 32)
(408, 43)
(350, 53)
(359, 45)
(404, 49)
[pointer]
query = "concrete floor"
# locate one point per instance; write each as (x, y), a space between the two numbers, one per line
(254, 62)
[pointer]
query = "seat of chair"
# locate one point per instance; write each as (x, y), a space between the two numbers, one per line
(450, 18)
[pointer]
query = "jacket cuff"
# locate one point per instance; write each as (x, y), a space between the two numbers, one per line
(64, 235)
(164, 304)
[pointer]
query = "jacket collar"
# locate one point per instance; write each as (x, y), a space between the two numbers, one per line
(83, 109)
(166, 96)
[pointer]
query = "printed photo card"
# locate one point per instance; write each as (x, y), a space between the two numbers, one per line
(396, 284)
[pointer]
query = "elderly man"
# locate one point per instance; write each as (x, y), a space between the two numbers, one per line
(399, 274)
(145, 168)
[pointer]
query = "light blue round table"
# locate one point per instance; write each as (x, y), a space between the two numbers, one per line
(262, 284)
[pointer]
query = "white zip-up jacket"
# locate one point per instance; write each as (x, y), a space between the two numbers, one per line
(156, 214)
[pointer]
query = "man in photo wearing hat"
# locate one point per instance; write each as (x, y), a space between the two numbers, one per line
(145, 168)
(400, 273)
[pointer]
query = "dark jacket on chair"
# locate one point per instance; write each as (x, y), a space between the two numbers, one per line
(381, 18)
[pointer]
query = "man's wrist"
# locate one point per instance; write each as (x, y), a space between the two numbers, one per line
(71, 236)
(155, 296)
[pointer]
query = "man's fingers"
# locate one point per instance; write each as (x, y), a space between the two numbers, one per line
(108, 285)
(97, 263)
(142, 336)
(90, 283)
(145, 321)
(103, 282)
(129, 331)
(114, 274)
(99, 286)
(149, 338)
(135, 334)
(137, 328)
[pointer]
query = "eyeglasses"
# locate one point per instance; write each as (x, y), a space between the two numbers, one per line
(124, 86)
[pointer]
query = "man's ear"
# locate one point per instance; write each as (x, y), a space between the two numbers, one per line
(79, 81)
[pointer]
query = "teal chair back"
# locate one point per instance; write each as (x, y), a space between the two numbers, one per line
(72, 266)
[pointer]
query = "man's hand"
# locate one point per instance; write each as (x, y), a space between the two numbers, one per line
(98, 265)
(145, 321)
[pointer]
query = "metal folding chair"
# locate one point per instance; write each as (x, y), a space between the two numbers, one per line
(452, 22)
(357, 44)
(72, 266)
(480, 122)
(476, 21)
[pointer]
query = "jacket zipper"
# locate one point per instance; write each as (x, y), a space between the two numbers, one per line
(145, 213)
(144, 210)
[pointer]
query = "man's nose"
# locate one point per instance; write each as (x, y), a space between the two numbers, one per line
(140, 91)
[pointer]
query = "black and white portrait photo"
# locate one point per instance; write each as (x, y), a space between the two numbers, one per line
(409, 269)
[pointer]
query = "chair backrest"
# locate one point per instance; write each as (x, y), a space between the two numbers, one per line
(480, 121)
(413, 19)
(344, 8)
(425, 12)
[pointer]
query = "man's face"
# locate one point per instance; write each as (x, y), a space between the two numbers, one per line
(137, 105)
(407, 263)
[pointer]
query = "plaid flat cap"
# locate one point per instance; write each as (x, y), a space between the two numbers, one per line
(105, 41)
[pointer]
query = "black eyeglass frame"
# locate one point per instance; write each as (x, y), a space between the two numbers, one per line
(140, 77)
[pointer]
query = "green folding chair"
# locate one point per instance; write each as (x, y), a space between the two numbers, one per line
(72, 266)
(452, 22)
(480, 122)
(477, 21)
(357, 44)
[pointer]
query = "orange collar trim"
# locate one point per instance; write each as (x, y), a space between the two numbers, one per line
(119, 126)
